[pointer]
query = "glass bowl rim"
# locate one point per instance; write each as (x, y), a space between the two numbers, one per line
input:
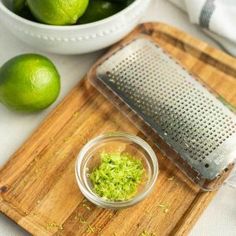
(116, 204)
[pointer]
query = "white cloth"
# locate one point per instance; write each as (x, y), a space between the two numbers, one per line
(216, 17)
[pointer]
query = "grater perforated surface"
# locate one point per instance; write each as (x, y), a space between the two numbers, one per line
(184, 113)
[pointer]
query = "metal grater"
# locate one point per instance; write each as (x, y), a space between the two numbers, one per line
(174, 105)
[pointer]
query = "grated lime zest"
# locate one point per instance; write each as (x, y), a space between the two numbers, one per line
(118, 176)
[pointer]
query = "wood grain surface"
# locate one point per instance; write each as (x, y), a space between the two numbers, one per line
(38, 189)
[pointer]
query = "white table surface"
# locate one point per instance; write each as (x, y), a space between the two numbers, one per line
(219, 219)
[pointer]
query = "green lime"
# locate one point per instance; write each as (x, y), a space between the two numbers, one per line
(126, 2)
(57, 12)
(21, 8)
(18, 5)
(29, 83)
(100, 9)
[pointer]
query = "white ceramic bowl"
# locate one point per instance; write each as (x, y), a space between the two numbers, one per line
(76, 39)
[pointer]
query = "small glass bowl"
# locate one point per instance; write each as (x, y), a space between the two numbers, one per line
(89, 158)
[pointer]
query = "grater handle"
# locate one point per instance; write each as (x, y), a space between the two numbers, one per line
(231, 181)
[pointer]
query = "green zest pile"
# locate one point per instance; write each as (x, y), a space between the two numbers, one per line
(118, 176)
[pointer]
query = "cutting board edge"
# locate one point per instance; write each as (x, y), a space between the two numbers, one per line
(194, 211)
(182, 228)
(10, 212)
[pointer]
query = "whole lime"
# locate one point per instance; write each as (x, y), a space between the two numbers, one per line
(20, 7)
(57, 12)
(29, 83)
(127, 2)
(100, 9)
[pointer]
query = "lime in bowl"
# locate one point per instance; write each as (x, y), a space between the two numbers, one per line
(78, 38)
(116, 170)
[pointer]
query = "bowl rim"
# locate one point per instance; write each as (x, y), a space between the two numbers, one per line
(69, 27)
(113, 204)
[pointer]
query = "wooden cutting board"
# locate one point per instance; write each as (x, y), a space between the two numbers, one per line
(38, 189)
